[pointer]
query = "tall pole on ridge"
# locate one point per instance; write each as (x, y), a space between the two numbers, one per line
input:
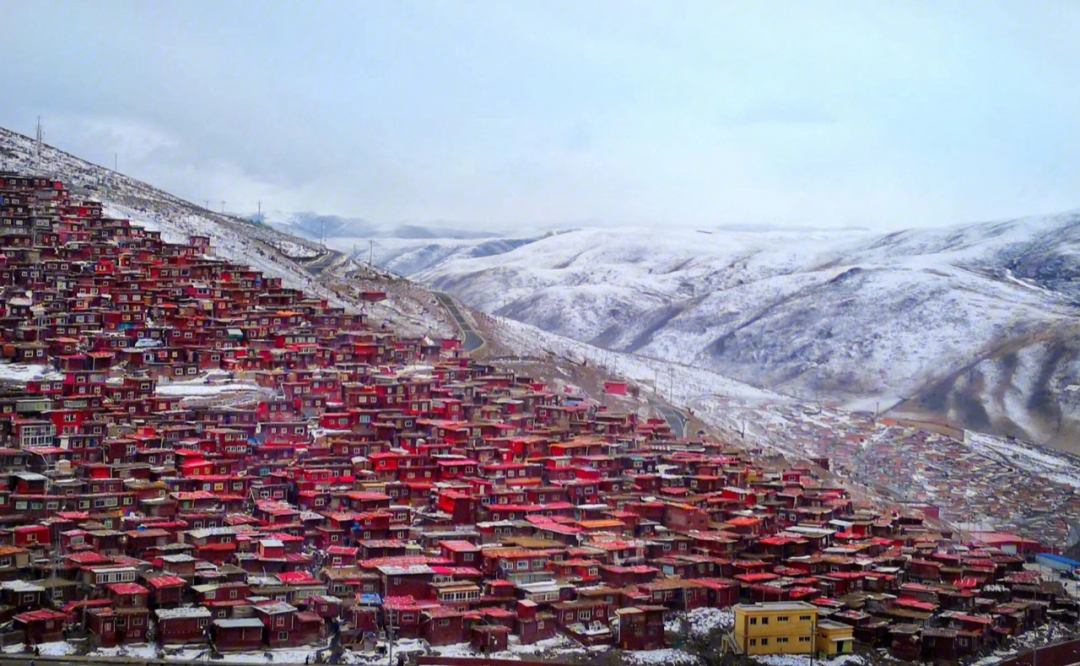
(39, 137)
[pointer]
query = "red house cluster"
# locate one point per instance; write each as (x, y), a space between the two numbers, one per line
(361, 481)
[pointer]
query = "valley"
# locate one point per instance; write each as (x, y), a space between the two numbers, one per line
(972, 325)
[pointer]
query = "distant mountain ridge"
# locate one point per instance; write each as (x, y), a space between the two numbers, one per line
(316, 226)
(976, 324)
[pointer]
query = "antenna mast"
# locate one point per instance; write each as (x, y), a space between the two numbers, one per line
(38, 139)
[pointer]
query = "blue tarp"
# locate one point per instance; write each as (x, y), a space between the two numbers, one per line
(1056, 561)
(367, 599)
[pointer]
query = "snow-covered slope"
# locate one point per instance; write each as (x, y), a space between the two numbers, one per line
(300, 263)
(975, 323)
(404, 256)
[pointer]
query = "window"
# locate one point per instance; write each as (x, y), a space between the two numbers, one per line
(804, 618)
(764, 641)
(753, 621)
(283, 635)
(444, 623)
(782, 639)
(764, 620)
(782, 618)
(804, 639)
(753, 642)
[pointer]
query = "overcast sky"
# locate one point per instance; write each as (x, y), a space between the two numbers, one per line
(883, 114)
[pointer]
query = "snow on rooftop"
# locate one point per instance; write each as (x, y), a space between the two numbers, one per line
(187, 611)
(23, 372)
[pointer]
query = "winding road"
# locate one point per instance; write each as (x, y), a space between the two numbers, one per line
(473, 340)
(320, 263)
(674, 418)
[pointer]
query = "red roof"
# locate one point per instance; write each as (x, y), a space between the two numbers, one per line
(408, 603)
(756, 577)
(714, 583)
(295, 577)
(456, 571)
(907, 602)
(89, 557)
(459, 546)
(42, 615)
(165, 581)
(127, 588)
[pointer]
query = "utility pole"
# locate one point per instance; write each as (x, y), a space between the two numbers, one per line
(39, 137)
(223, 207)
(260, 210)
(370, 253)
(390, 638)
(206, 204)
(115, 161)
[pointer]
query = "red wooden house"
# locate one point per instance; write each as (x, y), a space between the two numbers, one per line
(182, 626)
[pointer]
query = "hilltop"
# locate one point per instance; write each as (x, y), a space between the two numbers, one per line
(684, 388)
(299, 262)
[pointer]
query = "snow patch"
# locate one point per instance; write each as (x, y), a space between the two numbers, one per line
(798, 660)
(664, 656)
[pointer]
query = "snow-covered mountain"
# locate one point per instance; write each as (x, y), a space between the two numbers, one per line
(974, 323)
(410, 256)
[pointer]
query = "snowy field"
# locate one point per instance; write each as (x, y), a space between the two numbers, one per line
(1053, 466)
(295, 250)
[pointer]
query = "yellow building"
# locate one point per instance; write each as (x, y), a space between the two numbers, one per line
(834, 638)
(781, 627)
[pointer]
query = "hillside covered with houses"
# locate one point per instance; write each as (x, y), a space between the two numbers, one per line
(192, 454)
